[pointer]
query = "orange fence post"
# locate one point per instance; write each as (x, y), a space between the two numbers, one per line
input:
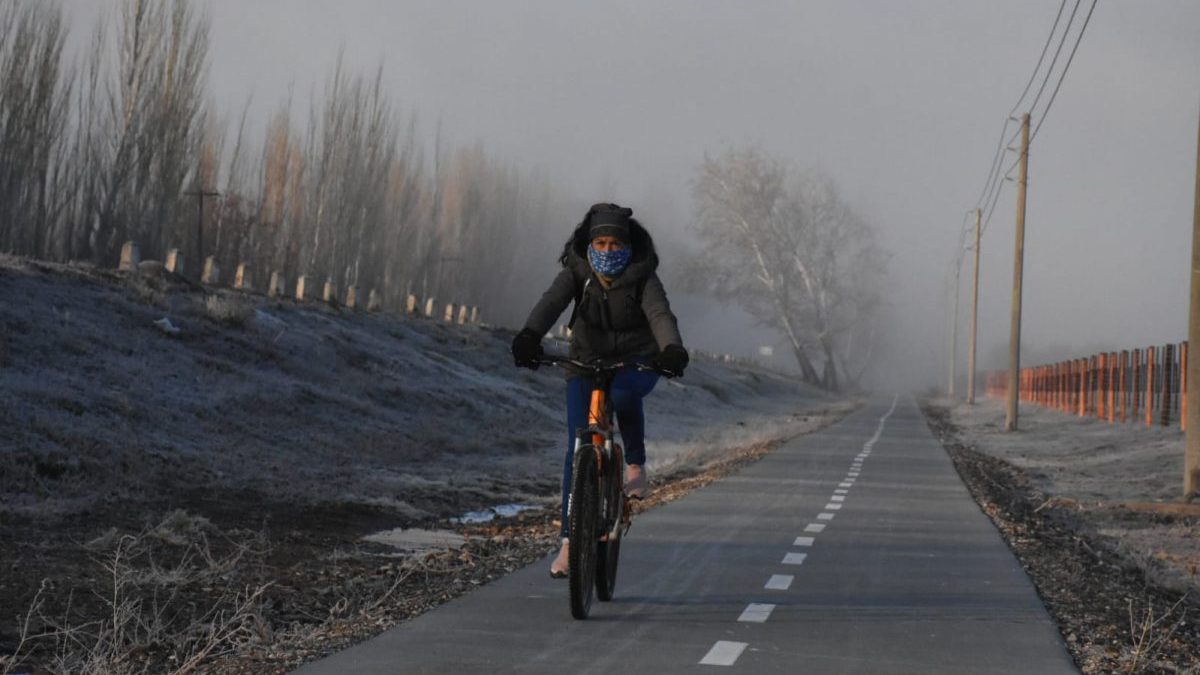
(1150, 386)
(1123, 384)
(1168, 381)
(1102, 385)
(1135, 387)
(1183, 386)
(1083, 385)
(1112, 387)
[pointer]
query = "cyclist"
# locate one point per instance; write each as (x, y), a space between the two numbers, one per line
(621, 312)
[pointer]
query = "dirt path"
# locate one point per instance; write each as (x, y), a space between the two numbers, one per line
(1112, 617)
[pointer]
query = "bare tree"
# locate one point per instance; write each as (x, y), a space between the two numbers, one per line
(787, 248)
(35, 94)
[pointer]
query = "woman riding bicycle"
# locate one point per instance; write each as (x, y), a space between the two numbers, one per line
(621, 312)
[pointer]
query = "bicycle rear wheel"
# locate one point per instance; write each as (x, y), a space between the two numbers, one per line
(584, 517)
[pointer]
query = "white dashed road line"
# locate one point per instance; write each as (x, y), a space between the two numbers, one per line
(779, 582)
(723, 653)
(756, 613)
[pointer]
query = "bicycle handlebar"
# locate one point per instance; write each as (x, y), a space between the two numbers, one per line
(598, 368)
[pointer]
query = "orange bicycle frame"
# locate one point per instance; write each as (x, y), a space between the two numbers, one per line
(597, 418)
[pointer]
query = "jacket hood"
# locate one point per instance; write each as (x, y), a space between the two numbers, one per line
(643, 263)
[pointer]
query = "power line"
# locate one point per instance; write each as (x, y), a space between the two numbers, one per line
(1066, 67)
(1058, 51)
(1001, 143)
(1045, 48)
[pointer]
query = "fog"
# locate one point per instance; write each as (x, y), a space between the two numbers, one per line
(899, 102)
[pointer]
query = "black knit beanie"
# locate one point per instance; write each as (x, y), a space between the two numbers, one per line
(609, 220)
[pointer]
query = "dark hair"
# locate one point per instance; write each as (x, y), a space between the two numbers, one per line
(639, 239)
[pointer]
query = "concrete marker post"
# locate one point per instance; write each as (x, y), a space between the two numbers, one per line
(174, 263)
(131, 255)
(241, 278)
(275, 287)
(211, 276)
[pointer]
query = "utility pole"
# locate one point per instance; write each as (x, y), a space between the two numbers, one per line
(200, 194)
(1014, 337)
(974, 314)
(954, 329)
(1191, 460)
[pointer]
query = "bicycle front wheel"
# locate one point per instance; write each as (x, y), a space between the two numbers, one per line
(584, 518)
(608, 550)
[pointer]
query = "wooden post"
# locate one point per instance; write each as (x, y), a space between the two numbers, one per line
(329, 292)
(1102, 384)
(464, 313)
(1111, 388)
(301, 287)
(474, 314)
(411, 304)
(1014, 336)
(352, 297)
(448, 315)
(430, 307)
(374, 301)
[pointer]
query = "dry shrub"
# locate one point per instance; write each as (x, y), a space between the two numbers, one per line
(150, 620)
(229, 311)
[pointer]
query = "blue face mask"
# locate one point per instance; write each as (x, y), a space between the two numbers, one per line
(611, 263)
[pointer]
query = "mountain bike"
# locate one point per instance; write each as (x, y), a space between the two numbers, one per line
(598, 508)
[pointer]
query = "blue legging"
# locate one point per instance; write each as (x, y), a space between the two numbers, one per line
(629, 387)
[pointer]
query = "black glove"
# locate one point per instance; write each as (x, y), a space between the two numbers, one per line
(671, 361)
(527, 349)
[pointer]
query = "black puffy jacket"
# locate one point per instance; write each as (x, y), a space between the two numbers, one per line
(630, 318)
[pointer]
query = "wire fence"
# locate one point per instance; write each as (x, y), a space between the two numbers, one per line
(1139, 385)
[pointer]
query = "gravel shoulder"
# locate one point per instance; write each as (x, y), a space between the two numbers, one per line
(1087, 509)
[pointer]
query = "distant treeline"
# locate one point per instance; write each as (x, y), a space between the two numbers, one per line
(114, 145)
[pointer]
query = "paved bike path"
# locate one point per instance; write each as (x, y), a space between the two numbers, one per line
(766, 571)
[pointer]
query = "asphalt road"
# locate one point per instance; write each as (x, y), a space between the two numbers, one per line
(856, 549)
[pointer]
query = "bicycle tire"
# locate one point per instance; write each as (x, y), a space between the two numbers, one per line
(584, 518)
(608, 552)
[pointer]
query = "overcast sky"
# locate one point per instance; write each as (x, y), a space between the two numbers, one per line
(900, 102)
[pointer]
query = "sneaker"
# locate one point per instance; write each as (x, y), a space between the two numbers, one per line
(558, 568)
(636, 484)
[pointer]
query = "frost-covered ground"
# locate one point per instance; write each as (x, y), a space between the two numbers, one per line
(302, 403)
(1121, 479)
